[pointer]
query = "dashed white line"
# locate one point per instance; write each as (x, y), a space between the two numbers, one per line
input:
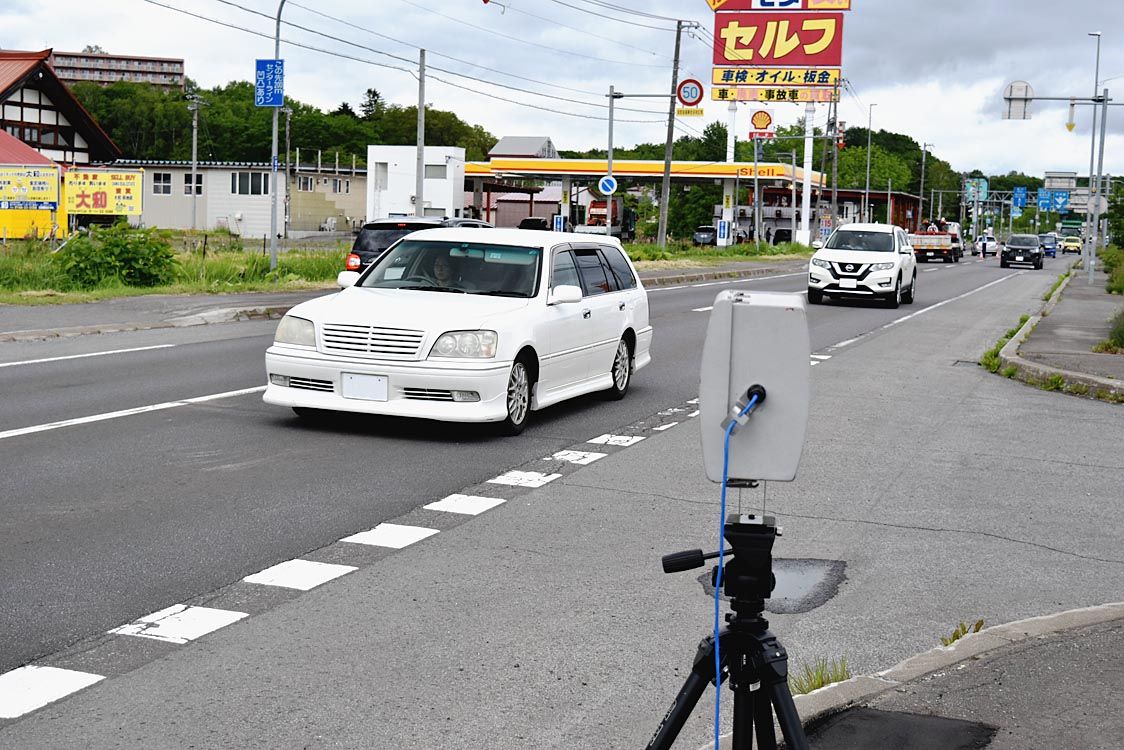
(126, 412)
(580, 458)
(532, 479)
(469, 505)
(391, 535)
(663, 427)
(180, 623)
(695, 413)
(622, 440)
(27, 688)
(703, 309)
(302, 575)
(82, 356)
(821, 356)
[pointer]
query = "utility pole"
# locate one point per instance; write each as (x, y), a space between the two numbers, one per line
(1090, 230)
(793, 201)
(757, 196)
(866, 191)
(806, 199)
(924, 152)
(273, 155)
(835, 166)
(288, 174)
(419, 180)
(613, 96)
(194, 106)
(1100, 179)
(665, 186)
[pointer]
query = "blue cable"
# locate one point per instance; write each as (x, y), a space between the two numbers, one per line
(718, 577)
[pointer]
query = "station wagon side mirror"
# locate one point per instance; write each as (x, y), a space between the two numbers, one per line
(817, 244)
(347, 278)
(564, 294)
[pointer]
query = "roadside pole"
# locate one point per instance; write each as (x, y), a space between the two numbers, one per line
(419, 178)
(792, 202)
(665, 185)
(757, 197)
(609, 166)
(1100, 180)
(194, 107)
(273, 153)
(805, 236)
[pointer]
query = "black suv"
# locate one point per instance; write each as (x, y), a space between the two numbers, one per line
(376, 236)
(1021, 248)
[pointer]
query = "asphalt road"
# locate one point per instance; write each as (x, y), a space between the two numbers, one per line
(109, 520)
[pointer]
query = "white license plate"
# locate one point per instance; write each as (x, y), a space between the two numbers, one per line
(848, 284)
(365, 387)
(1018, 259)
(931, 253)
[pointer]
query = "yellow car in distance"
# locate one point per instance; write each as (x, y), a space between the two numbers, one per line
(1071, 245)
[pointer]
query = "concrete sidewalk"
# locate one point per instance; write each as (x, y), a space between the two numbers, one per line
(39, 322)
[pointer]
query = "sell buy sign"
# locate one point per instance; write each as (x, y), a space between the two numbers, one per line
(762, 39)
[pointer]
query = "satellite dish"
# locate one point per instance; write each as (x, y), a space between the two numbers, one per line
(1017, 98)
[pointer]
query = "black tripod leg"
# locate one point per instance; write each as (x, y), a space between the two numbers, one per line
(702, 674)
(763, 720)
(791, 727)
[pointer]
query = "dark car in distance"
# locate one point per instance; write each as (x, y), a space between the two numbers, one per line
(705, 236)
(1049, 244)
(376, 236)
(1021, 248)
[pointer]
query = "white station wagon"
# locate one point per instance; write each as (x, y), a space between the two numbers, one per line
(467, 325)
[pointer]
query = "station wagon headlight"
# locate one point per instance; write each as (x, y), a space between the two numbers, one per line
(470, 344)
(294, 330)
(882, 267)
(821, 263)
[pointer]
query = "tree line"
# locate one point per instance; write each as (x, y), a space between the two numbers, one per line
(148, 122)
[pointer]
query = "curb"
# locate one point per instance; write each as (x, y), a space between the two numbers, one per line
(241, 314)
(837, 697)
(1009, 354)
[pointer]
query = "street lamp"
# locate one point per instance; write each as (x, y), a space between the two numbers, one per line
(1090, 232)
(273, 156)
(921, 209)
(866, 192)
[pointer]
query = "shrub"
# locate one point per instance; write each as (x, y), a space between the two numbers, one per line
(817, 675)
(1116, 281)
(1116, 335)
(961, 631)
(117, 254)
(1112, 258)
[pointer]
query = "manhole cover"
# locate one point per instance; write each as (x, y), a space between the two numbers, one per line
(802, 585)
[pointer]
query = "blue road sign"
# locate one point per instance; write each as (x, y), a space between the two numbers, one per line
(723, 230)
(1016, 212)
(607, 185)
(1059, 200)
(1044, 200)
(559, 223)
(269, 83)
(1018, 197)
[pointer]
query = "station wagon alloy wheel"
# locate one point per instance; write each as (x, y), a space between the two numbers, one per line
(518, 398)
(622, 370)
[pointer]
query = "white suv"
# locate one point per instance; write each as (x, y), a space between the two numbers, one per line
(864, 261)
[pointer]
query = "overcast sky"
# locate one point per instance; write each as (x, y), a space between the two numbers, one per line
(935, 69)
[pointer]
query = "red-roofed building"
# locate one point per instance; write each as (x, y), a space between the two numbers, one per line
(37, 108)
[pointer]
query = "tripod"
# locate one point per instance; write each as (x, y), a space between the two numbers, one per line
(751, 657)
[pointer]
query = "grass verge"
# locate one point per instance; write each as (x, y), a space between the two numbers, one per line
(990, 358)
(705, 256)
(961, 631)
(818, 674)
(1046, 297)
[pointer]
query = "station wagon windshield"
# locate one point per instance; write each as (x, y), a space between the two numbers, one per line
(458, 268)
(878, 242)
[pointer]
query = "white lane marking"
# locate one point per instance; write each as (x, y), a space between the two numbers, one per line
(703, 309)
(742, 280)
(581, 458)
(929, 270)
(532, 479)
(663, 427)
(695, 413)
(126, 412)
(390, 535)
(81, 356)
(621, 440)
(27, 688)
(821, 356)
(664, 288)
(469, 505)
(180, 623)
(924, 310)
(814, 363)
(693, 401)
(302, 575)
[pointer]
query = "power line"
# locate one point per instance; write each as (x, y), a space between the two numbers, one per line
(586, 32)
(432, 67)
(611, 18)
(632, 11)
(525, 41)
(410, 72)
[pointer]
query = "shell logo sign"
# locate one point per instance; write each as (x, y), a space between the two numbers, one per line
(761, 120)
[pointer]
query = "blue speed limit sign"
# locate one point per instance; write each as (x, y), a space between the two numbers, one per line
(607, 185)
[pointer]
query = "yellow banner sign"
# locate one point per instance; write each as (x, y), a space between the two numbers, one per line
(29, 188)
(755, 94)
(108, 192)
(688, 111)
(776, 77)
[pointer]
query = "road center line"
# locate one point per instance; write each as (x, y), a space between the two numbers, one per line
(126, 412)
(91, 354)
(924, 310)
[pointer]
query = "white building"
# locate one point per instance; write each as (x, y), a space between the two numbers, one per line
(391, 183)
(228, 195)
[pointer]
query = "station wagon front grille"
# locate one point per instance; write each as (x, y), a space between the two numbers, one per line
(391, 343)
(311, 384)
(426, 394)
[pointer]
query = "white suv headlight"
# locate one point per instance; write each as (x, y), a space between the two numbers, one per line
(882, 267)
(466, 344)
(821, 263)
(294, 330)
